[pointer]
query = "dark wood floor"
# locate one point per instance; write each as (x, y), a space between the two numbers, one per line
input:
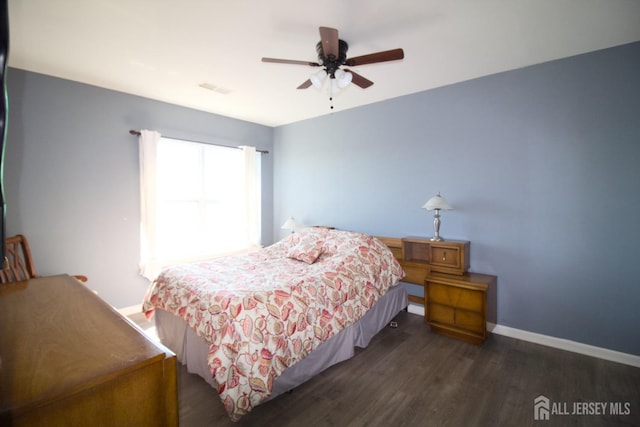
(409, 376)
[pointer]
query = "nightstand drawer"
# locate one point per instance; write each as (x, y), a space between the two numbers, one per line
(440, 313)
(449, 257)
(463, 319)
(456, 297)
(470, 320)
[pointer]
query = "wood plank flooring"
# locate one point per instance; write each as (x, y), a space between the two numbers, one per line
(409, 376)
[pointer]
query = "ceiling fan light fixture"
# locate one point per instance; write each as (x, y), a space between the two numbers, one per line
(318, 78)
(335, 86)
(345, 79)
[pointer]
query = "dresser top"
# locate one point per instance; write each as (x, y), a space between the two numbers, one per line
(58, 338)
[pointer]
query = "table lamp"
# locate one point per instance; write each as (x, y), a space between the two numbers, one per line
(437, 203)
(290, 224)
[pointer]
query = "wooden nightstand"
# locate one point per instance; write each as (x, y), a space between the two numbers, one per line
(457, 305)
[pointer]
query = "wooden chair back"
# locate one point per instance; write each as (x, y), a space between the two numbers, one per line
(20, 263)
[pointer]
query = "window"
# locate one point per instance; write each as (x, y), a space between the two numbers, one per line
(206, 202)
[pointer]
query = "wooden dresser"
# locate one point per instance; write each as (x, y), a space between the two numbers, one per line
(456, 302)
(68, 358)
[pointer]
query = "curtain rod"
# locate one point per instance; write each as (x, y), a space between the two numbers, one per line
(137, 133)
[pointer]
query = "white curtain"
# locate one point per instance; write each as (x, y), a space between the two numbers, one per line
(149, 263)
(252, 197)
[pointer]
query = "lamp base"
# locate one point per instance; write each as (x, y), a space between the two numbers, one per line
(436, 227)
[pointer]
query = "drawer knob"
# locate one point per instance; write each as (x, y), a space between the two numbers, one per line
(444, 256)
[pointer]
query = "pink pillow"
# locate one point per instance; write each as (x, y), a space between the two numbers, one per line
(308, 250)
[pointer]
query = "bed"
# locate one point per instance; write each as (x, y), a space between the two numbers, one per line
(257, 325)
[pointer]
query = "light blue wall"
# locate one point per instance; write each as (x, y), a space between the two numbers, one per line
(541, 164)
(71, 175)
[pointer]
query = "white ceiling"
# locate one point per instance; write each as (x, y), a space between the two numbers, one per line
(164, 49)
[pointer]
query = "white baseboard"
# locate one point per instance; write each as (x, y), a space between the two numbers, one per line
(549, 341)
(568, 345)
(416, 309)
(132, 309)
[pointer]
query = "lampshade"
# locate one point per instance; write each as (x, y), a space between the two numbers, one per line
(343, 78)
(437, 202)
(334, 87)
(318, 78)
(290, 224)
(339, 79)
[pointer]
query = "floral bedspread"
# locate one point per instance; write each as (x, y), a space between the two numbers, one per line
(264, 311)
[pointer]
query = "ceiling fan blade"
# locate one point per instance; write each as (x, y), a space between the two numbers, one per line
(305, 85)
(290, 61)
(358, 80)
(372, 58)
(329, 38)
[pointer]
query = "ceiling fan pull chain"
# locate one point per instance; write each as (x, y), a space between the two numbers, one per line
(329, 89)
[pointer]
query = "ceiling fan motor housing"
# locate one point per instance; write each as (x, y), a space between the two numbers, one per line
(330, 62)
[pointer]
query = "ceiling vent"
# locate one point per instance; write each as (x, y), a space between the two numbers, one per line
(215, 88)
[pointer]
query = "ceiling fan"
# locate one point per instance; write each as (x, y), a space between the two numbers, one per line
(332, 54)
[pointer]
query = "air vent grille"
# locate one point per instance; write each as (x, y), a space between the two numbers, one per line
(215, 88)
